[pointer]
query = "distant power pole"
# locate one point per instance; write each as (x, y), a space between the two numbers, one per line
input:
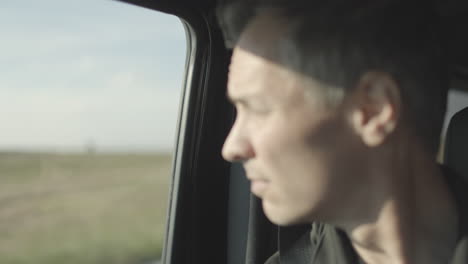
(91, 147)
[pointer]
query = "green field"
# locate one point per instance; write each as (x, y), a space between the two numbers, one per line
(82, 208)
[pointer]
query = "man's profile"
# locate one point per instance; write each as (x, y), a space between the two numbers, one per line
(340, 105)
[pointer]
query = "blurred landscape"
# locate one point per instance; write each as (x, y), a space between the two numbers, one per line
(82, 208)
(90, 96)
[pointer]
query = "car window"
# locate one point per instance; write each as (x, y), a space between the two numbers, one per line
(89, 95)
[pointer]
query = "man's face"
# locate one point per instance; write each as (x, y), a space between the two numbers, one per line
(295, 149)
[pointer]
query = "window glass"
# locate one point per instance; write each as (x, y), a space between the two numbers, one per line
(89, 94)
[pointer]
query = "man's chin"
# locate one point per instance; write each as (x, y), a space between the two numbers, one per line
(279, 216)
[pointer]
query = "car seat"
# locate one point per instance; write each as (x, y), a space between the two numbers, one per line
(456, 144)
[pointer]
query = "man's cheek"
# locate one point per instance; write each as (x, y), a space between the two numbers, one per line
(277, 135)
(269, 142)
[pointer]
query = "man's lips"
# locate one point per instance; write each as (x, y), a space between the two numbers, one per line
(258, 186)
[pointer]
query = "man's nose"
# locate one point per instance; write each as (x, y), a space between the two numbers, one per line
(237, 146)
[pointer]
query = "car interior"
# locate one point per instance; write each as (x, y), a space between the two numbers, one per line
(456, 145)
(212, 216)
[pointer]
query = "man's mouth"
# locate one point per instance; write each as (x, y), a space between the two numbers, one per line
(258, 187)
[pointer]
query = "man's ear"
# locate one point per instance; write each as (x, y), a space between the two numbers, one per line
(376, 107)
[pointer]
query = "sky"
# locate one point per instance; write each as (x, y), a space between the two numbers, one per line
(97, 73)
(88, 72)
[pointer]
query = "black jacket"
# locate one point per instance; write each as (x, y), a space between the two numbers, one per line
(325, 244)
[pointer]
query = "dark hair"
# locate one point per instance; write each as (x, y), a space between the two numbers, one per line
(337, 41)
(233, 16)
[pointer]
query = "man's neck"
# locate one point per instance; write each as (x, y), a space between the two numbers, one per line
(417, 219)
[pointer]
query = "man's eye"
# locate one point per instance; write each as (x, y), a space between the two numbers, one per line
(253, 109)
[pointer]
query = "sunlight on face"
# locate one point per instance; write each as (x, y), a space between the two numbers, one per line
(289, 141)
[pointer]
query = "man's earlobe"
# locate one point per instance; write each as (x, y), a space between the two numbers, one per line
(377, 107)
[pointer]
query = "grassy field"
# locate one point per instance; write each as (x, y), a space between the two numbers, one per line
(82, 208)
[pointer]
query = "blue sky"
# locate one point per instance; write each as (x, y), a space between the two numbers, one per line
(75, 72)
(101, 71)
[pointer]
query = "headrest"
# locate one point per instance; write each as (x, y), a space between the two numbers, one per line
(456, 143)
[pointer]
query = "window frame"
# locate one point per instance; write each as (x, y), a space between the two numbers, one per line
(197, 223)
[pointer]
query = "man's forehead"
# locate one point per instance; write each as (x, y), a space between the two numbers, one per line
(253, 76)
(256, 47)
(245, 73)
(255, 64)
(262, 34)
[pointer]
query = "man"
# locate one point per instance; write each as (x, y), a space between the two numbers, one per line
(340, 106)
